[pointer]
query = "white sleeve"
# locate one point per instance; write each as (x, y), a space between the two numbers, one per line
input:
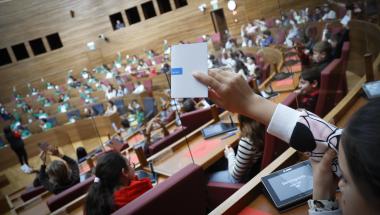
(283, 122)
(334, 212)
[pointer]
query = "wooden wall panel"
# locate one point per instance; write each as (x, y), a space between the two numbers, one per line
(24, 20)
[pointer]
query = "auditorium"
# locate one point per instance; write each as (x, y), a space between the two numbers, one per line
(191, 107)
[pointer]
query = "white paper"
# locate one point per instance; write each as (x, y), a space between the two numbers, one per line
(185, 60)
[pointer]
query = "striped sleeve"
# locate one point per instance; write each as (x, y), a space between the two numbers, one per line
(247, 154)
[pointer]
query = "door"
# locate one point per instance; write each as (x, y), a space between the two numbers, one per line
(219, 22)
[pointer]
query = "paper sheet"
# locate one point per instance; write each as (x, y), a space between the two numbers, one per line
(186, 59)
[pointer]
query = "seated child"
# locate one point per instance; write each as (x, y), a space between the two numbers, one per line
(309, 89)
(115, 185)
(249, 153)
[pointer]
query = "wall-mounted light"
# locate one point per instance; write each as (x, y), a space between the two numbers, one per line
(231, 5)
(91, 46)
(214, 4)
(202, 8)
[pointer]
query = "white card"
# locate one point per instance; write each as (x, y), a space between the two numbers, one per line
(185, 60)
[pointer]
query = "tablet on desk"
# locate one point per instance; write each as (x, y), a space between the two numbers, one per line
(218, 128)
(291, 186)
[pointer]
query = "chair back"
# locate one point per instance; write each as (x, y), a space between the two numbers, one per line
(273, 147)
(328, 87)
(182, 193)
(98, 109)
(148, 85)
(195, 119)
(32, 192)
(166, 141)
(57, 201)
(150, 107)
(342, 85)
(121, 108)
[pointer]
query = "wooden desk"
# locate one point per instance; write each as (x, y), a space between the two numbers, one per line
(204, 152)
(251, 194)
(177, 156)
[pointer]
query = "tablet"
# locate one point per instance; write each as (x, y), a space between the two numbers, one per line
(372, 89)
(218, 128)
(291, 186)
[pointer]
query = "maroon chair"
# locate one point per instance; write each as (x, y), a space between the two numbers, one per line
(182, 193)
(57, 201)
(130, 86)
(148, 84)
(342, 85)
(218, 192)
(195, 119)
(328, 87)
(166, 141)
(32, 192)
(158, 59)
(273, 146)
(148, 62)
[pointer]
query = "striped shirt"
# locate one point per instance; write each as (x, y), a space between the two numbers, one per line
(247, 155)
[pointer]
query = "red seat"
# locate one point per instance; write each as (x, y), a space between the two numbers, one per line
(57, 201)
(273, 146)
(328, 87)
(182, 193)
(342, 85)
(195, 119)
(32, 192)
(148, 84)
(130, 86)
(166, 141)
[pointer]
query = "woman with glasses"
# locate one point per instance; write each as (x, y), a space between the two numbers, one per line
(115, 185)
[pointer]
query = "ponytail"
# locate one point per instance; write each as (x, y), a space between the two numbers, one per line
(108, 172)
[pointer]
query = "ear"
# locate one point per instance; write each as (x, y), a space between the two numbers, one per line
(314, 84)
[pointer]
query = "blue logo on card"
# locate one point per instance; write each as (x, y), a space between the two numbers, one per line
(177, 71)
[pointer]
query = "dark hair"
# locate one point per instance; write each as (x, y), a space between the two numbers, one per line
(361, 146)
(322, 47)
(111, 102)
(125, 123)
(188, 105)
(240, 65)
(252, 130)
(81, 153)
(100, 196)
(267, 33)
(311, 75)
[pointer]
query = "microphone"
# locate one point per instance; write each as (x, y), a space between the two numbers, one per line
(154, 174)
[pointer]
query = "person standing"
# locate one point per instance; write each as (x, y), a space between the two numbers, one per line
(17, 145)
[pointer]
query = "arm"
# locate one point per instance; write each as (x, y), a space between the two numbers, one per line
(70, 162)
(74, 168)
(247, 155)
(163, 127)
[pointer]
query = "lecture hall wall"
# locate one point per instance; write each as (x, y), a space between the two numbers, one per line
(25, 20)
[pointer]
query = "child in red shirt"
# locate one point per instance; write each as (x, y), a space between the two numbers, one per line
(115, 185)
(309, 89)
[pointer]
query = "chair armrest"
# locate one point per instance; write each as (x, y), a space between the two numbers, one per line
(218, 192)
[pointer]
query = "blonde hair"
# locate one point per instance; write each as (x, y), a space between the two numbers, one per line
(252, 130)
(58, 172)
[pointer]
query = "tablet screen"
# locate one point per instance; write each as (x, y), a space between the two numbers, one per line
(292, 183)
